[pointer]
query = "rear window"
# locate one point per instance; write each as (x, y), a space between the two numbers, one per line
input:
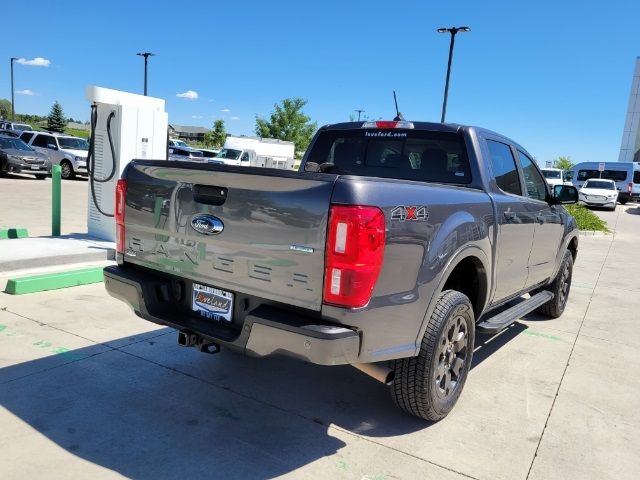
(615, 175)
(636, 176)
(405, 154)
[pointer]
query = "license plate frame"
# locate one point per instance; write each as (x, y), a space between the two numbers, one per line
(212, 303)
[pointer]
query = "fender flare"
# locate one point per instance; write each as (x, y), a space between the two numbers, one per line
(465, 252)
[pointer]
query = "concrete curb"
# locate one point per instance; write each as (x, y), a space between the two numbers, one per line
(11, 233)
(594, 233)
(37, 252)
(53, 281)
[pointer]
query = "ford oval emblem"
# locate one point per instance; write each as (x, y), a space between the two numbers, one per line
(207, 224)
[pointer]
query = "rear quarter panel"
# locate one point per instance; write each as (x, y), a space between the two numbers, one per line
(418, 255)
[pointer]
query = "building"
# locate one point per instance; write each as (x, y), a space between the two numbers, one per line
(630, 148)
(187, 133)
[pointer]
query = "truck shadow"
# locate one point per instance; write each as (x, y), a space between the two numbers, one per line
(633, 210)
(152, 409)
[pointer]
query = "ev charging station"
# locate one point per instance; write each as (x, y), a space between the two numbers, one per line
(124, 126)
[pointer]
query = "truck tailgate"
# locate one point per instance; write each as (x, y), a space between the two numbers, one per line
(274, 226)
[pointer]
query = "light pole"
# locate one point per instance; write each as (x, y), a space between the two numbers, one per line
(452, 31)
(13, 109)
(359, 112)
(146, 56)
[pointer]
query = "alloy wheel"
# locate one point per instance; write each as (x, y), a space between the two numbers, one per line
(452, 356)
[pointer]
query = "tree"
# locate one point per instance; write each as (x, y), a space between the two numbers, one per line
(563, 163)
(216, 137)
(288, 122)
(56, 121)
(5, 108)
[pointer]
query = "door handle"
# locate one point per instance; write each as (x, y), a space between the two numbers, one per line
(209, 195)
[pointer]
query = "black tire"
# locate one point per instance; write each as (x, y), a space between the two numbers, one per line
(613, 209)
(623, 202)
(427, 386)
(67, 170)
(560, 288)
(41, 177)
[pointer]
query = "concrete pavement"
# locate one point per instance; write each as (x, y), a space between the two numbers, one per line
(88, 390)
(26, 202)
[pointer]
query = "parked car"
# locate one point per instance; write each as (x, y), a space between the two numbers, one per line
(598, 192)
(186, 154)
(64, 150)
(16, 127)
(396, 242)
(174, 142)
(9, 133)
(18, 157)
(625, 174)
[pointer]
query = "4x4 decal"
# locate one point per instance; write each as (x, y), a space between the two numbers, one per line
(410, 213)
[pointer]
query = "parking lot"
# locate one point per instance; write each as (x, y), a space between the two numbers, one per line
(88, 390)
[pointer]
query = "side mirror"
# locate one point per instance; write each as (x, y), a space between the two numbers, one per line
(52, 146)
(565, 194)
(311, 167)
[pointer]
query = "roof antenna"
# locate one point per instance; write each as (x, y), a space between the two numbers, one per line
(399, 117)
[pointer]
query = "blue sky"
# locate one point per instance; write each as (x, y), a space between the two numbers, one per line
(553, 75)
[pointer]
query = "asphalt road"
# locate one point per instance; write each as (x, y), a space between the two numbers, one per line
(88, 390)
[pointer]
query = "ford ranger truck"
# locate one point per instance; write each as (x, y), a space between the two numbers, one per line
(391, 247)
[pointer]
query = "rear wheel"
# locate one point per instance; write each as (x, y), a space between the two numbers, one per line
(560, 288)
(67, 170)
(428, 386)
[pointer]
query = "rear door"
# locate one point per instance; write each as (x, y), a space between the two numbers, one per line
(515, 223)
(548, 222)
(273, 225)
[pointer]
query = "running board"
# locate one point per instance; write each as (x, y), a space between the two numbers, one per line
(504, 319)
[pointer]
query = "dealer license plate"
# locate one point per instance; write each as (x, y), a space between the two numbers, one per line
(35, 167)
(212, 303)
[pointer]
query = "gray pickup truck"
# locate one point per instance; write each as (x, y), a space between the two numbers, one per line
(391, 247)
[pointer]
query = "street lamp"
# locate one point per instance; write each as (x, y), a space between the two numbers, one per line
(13, 110)
(452, 31)
(359, 112)
(146, 56)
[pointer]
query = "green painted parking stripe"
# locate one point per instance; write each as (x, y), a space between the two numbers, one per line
(53, 281)
(7, 233)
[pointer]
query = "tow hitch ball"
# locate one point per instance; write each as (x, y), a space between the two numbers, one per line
(189, 339)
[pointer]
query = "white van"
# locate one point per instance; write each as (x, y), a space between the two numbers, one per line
(625, 174)
(555, 176)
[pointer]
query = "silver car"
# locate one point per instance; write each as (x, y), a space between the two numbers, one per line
(18, 157)
(64, 150)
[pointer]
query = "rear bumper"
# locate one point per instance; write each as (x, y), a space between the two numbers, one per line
(266, 330)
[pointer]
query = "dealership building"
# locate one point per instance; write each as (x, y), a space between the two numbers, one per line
(630, 148)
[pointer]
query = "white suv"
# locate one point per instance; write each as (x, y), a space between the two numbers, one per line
(64, 150)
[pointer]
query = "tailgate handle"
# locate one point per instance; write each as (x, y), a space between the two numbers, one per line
(210, 195)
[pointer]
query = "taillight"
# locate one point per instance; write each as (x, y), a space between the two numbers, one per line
(630, 187)
(355, 250)
(121, 193)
